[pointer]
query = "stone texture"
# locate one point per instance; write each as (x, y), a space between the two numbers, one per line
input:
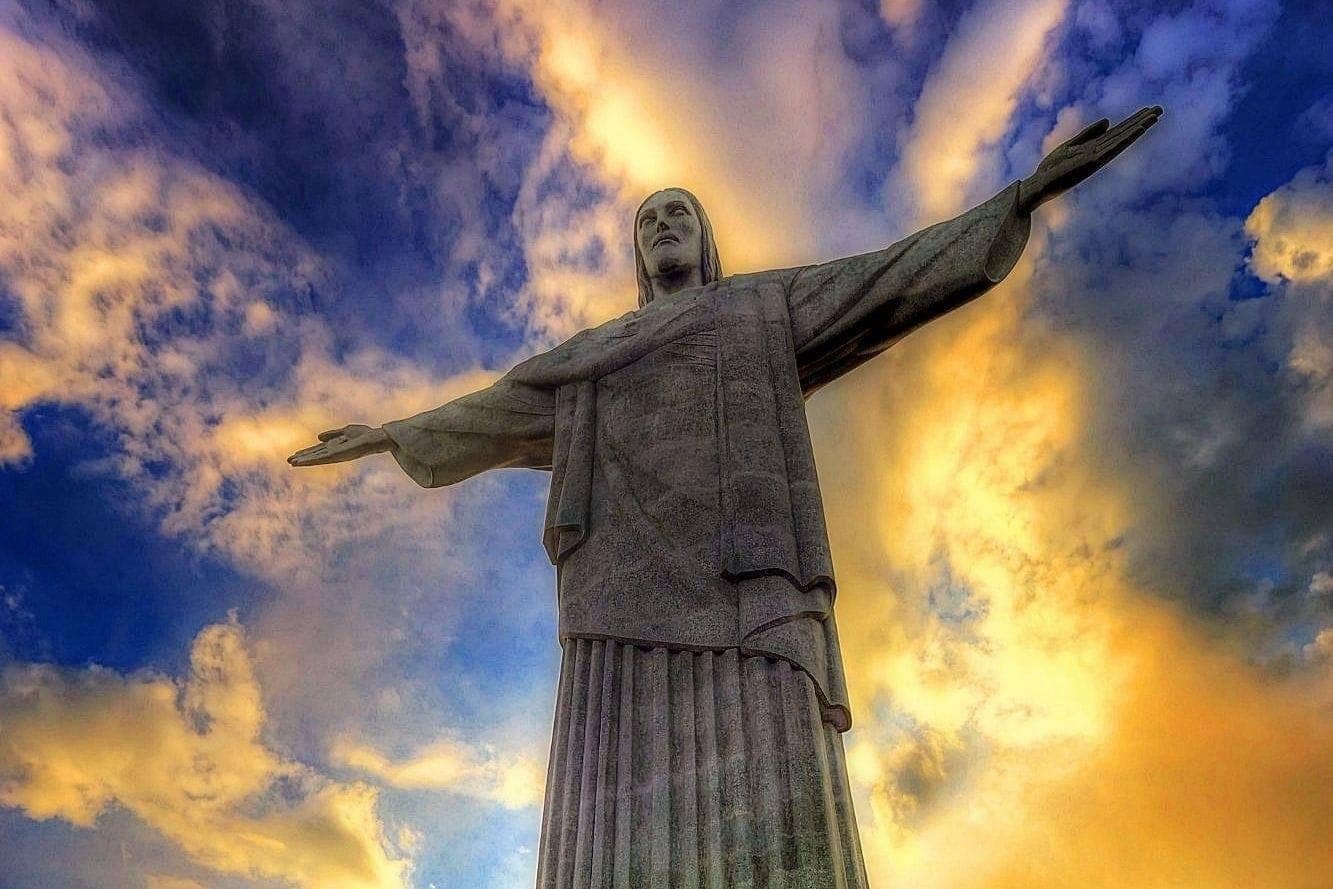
(693, 770)
(696, 741)
(685, 506)
(685, 517)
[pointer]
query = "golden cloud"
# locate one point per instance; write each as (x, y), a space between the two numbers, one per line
(1292, 234)
(14, 445)
(166, 881)
(188, 759)
(1292, 229)
(1034, 719)
(105, 249)
(514, 781)
(900, 13)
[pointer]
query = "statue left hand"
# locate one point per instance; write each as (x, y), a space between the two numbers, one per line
(1075, 160)
(340, 445)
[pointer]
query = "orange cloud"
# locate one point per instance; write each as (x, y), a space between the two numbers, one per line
(166, 881)
(1214, 775)
(1027, 716)
(1292, 229)
(188, 759)
(103, 247)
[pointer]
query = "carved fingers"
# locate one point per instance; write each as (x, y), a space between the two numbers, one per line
(1124, 134)
(339, 445)
(1091, 131)
(1085, 153)
(315, 455)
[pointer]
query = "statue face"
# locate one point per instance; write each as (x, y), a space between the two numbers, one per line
(669, 234)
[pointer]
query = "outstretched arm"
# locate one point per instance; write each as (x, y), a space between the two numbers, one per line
(845, 312)
(507, 424)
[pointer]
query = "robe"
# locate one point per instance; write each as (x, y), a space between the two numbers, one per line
(684, 509)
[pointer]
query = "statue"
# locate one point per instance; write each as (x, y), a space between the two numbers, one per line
(701, 700)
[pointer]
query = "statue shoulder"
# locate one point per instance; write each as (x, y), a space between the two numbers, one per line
(756, 280)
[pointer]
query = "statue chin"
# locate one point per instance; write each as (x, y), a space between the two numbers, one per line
(671, 265)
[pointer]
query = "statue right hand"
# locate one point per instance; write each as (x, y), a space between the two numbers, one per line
(340, 445)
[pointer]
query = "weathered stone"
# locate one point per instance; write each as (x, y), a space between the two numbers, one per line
(702, 694)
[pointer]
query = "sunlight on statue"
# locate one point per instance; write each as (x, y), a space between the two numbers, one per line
(697, 735)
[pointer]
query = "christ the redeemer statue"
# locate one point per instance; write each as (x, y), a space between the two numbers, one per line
(697, 730)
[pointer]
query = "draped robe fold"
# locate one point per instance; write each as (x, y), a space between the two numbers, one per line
(684, 512)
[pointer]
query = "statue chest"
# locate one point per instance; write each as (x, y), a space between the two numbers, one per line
(682, 456)
(657, 420)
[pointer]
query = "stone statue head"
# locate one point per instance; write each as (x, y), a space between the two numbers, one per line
(672, 230)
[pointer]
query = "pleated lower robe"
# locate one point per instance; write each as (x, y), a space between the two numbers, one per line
(708, 770)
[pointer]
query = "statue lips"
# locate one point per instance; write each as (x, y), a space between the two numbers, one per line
(664, 238)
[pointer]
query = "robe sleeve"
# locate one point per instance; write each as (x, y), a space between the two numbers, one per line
(507, 424)
(845, 312)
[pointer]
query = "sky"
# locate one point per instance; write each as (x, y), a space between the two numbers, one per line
(1082, 527)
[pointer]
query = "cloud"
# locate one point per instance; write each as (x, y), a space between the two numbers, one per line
(1017, 690)
(967, 102)
(447, 764)
(1042, 507)
(166, 881)
(900, 13)
(173, 309)
(1292, 229)
(187, 757)
(1046, 509)
(15, 448)
(177, 310)
(189, 326)
(648, 97)
(1292, 234)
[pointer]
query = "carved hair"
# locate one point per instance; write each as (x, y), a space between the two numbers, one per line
(711, 267)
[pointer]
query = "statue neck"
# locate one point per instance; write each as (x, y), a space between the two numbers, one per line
(668, 283)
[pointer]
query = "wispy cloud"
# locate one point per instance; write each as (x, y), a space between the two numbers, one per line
(647, 97)
(173, 309)
(967, 104)
(514, 781)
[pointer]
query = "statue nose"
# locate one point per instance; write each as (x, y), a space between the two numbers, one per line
(662, 225)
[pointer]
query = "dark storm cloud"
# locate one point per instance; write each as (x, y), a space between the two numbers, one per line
(1196, 406)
